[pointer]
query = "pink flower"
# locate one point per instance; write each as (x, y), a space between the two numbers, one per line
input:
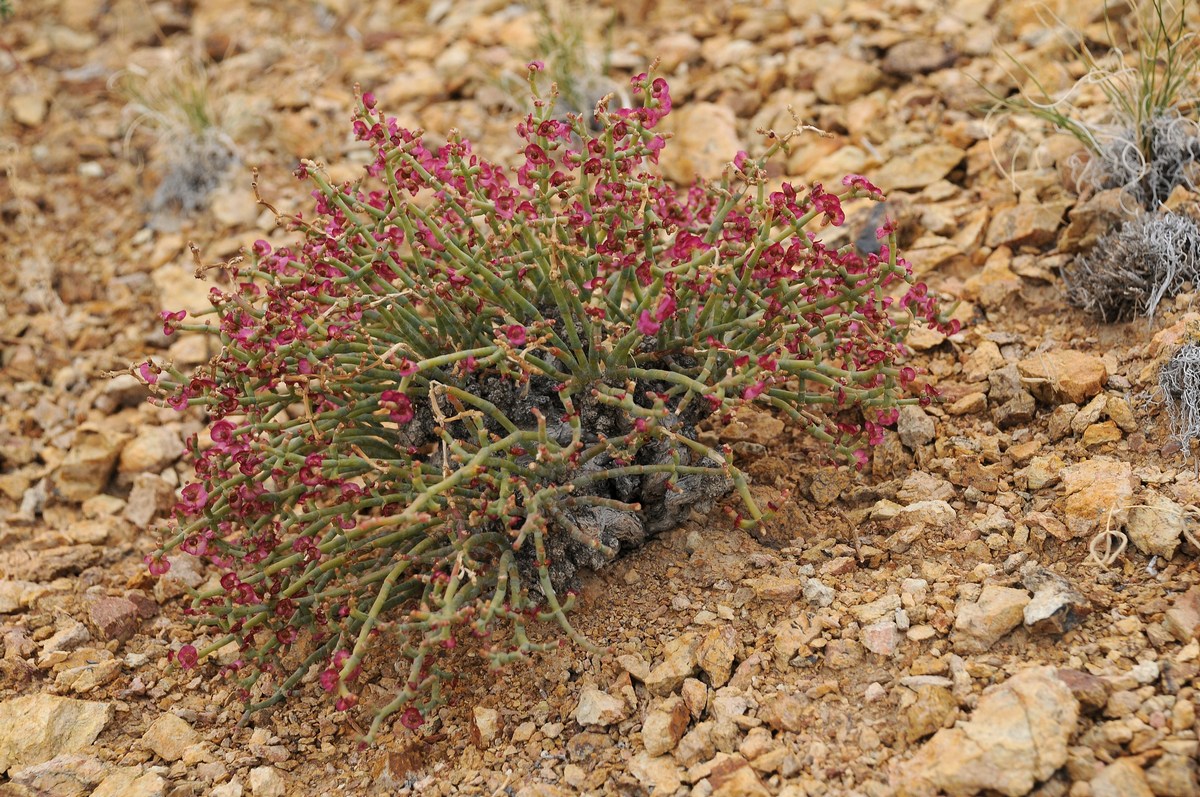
(516, 334)
(754, 391)
(647, 325)
(171, 320)
(411, 718)
(193, 498)
(147, 370)
(862, 186)
(187, 657)
(157, 565)
(368, 100)
(655, 146)
(397, 404)
(828, 204)
(221, 432)
(666, 308)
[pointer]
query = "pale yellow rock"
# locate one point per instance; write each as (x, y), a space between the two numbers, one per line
(923, 166)
(981, 624)
(1016, 737)
(29, 109)
(169, 736)
(665, 725)
(1026, 225)
(1063, 376)
(1095, 489)
(705, 142)
(1121, 778)
(599, 708)
(36, 728)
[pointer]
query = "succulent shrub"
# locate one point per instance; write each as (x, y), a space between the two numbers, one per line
(465, 381)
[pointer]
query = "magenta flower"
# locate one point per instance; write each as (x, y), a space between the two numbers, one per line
(187, 657)
(754, 391)
(193, 498)
(647, 325)
(666, 308)
(157, 565)
(516, 334)
(221, 432)
(411, 718)
(171, 320)
(862, 186)
(398, 405)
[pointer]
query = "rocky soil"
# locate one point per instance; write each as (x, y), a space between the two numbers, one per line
(942, 624)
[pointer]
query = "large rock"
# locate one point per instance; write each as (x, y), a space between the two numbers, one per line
(1173, 775)
(89, 463)
(113, 618)
(599, 708)
(169, 736)
(1026, 225)
(1057, 607)
(1156, 526)
(266, 782)
(716, 654)
(1063, 376)
(660, 775)
(485, 724)
(1121, 778)
(916, 428)
(151, 495)
(1012, 404)
(36, 728)
(1095, 489)
(927, 514)
(1017, 736)
(131, 782)
(846, 79)
(918, 57)
(706, 140)
(153, 449)
(67, 775)
(980, 625)
(665, 725)
(981, 362)
(679, 663)
(785, 712)
(929, 712)
(923, 166)
(17, 595)
(1183, 618)
(733, 776)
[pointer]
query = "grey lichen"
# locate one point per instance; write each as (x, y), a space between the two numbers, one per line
(1132, 269)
